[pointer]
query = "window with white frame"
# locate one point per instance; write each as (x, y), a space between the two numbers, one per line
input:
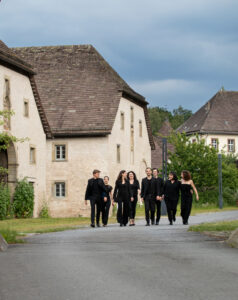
(60, 152)
(59, 189)
(231, 145)
(214, 143)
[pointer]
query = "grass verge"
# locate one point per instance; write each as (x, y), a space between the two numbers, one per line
(216, 226)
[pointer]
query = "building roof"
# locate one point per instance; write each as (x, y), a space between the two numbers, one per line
(217, 116)
(79, 90)
(9, 59)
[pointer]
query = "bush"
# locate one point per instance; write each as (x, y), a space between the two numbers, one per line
(23, 200)
(4, 201)
(44, 213)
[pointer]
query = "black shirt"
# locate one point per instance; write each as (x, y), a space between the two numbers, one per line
(135, 186)
(148, 191)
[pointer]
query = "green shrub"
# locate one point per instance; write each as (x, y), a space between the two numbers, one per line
(23, 199)
(44, 213)
(4, 201)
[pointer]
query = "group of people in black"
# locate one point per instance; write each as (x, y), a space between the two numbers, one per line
(153, 191)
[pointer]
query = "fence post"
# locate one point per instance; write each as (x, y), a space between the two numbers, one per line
(220, 198)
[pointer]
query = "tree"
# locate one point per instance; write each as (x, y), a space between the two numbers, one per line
(158, 115)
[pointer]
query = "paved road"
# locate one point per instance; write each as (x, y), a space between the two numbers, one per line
(157, 262)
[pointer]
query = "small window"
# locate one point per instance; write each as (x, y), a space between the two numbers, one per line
(26, 108)
(32, 155)
(122, 120)
(60, 152)
(118, 154)
(132, 115)
(215, 143)
(231, 145)
(140, 128)
(60, 189)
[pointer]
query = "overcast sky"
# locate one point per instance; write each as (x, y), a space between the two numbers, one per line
(173, 52)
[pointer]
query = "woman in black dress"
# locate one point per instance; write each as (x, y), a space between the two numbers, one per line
(187, 188)
(106, 202)
(122, 195)
(135, 188)
(171, 196)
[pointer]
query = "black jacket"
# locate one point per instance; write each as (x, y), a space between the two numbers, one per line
(160, 186)
(122, 192)
(91, 192)
(154, 187)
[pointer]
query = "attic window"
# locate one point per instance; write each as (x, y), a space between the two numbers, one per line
(122, 120)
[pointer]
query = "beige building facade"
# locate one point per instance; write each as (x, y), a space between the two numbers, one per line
(25, 159)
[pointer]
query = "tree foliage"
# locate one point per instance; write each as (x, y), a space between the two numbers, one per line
(4, 201)
(176, 118)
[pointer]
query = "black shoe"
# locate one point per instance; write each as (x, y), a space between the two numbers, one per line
(125, 224)
(174, 219)
(157, 223)
(152, 222)
(171, 223)
(147, 224)
(121, 225)
(92, 225)
(98, 225)
(130, 224)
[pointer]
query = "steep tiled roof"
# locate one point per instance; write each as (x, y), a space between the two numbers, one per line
(218, 115)
(9, 59)
(80, 91)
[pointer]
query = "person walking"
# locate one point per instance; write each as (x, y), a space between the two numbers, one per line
(94, 191)
(171, 196)
(187, 188)
(149, 193)
(160, 184)
(122, 195)
(135, 188)
(106, 202)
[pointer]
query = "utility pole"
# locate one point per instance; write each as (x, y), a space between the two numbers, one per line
(220, 181)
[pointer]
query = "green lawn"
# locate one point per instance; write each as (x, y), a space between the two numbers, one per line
(217, 226)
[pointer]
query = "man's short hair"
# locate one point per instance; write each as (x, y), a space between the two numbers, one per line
(96, 171)
(148, 168)
(155, 169)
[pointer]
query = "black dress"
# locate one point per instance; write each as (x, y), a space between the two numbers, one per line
(186, 201)
(121, 195)
(135, 186)
(106, 205)
(171, 197)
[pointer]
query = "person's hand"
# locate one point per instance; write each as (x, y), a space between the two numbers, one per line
(197, 198)
(105, 199)
(132, 199)
(113, 203)
(142, 199)
(139, 193)
(158, 198)
(86, 202)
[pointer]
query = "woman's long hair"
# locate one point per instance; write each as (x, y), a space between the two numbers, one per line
(119, 177)
(186, 175)
(135, 178)
(175, 177)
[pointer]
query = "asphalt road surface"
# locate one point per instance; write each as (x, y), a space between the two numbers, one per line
(156, 262)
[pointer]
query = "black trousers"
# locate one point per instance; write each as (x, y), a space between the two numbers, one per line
(149, 208)
(96, 204)
(122, 212)
(105, 211)
(171, 209)
(158, 210)
(186, 207)
(132, 208)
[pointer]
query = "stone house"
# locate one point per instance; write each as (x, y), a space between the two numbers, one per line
(216, 122)
(18, 93)
(93, 119)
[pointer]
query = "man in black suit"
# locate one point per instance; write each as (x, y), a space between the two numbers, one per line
(158, 200)
(94, 191)
(149, 192)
